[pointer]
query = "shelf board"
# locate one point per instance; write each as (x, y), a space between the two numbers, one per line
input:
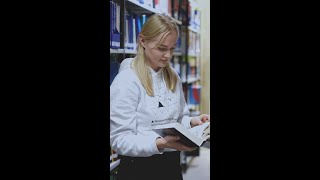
(191, 80)
(114, 164)
(194, 3)
(143, 8)
(177, 21)
(122, 51)
(116, 51)
(130, 51)
(113, 156)
(177, 53)
(192, 54)
(193, 29)
(194, 113)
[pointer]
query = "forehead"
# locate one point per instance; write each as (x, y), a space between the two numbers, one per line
(170, 39)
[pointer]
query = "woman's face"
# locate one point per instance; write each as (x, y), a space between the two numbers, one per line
(159, 55)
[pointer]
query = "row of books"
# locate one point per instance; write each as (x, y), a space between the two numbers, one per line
(135, 21)
(114, 25)
(193, 43)
(133, 25)
(181, 68)
(170, 7)
(194, 15)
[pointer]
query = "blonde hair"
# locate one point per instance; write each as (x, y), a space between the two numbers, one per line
(153, 27)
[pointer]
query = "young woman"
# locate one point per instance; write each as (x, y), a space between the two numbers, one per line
(147, 91)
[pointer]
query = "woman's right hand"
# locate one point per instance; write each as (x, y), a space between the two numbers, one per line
(173, 143)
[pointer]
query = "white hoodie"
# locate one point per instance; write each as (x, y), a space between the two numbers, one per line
(133, 111)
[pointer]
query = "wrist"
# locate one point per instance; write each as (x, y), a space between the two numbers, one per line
(160, 143)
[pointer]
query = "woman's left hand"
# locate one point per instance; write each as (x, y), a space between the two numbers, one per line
(198, 120)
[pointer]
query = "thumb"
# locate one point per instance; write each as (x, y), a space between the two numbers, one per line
(199, 122)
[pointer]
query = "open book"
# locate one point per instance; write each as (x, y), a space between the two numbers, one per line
(193, 137)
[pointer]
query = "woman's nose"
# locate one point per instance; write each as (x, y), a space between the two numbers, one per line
(167, 54)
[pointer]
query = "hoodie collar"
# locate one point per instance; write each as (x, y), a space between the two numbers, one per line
(153, 72)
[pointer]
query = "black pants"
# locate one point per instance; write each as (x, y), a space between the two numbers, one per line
(164, 166)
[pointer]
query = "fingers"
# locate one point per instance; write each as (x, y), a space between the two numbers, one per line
(195, 121)
(199, 122)
(187, 148)
(205, 117)
(173, 142)
(172, 138)
(181, 147)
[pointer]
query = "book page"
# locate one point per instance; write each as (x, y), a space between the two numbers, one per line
(198, 130)
(206, 134)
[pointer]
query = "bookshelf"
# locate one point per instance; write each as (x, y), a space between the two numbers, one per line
(114, 164)
(126, 14)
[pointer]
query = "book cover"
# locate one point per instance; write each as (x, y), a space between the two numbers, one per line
(193, 137)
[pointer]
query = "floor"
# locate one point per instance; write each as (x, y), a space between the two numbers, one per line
(198, 166)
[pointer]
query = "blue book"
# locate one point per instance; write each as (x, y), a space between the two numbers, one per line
(144, 18)
(114, 68)
(137, 25)
(111, 22)
(115, 34)
(130, 31)
(194, 94)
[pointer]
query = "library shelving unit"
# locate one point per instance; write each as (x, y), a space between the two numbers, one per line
(127, 18)
(192, 70)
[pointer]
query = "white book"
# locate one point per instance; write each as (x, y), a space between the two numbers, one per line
(193, 137)
(134, 43)
(126, 35)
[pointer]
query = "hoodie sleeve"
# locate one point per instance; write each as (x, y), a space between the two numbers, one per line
(124, 100)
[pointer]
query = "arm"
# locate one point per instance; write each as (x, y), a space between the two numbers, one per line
(124, 139)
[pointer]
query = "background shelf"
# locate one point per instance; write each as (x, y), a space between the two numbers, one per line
(114, 164)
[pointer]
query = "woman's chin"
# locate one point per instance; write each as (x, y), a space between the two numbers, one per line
(163, 64)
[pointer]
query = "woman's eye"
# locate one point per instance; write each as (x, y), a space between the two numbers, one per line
(165, 49)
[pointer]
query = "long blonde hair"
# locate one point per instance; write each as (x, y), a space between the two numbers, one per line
(153, 27)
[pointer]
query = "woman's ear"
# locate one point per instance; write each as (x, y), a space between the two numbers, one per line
(141, 40)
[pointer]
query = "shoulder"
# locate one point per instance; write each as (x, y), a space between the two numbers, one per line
(127, 76)
(126, 73)
(126, 80)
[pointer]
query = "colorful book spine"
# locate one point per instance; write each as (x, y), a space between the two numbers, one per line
(194, 94)
(114, 25)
